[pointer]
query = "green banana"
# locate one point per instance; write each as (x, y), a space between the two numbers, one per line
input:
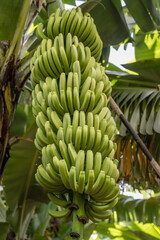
(72, 179)
(85, 134)
(64, 152)
(102, 207)
(80, 161)
(58, 201)
(75, 128)
(81, 182)
(63, 170)
(89, 163)
(59, 214)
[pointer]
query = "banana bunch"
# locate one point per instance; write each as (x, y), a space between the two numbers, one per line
(76, 131)
(73, 22)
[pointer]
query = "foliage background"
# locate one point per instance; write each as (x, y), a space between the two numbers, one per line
(23, 203)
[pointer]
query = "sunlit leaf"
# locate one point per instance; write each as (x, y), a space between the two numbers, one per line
(147, 45)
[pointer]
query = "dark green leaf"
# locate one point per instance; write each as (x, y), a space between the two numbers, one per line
(150, 5)
(150, 121)
(4, 228)
(9, 14)
(111, 26)
(105, 56)
(64, 230)
(141, 16)
(157, 122)
(41, 17)
(148, 69)
(19, 124)
(23, 157)
(39, 237)
(37, 193)
(18, 219)
(88, 230)
(18, 177)
(70, 2)
(40, 220)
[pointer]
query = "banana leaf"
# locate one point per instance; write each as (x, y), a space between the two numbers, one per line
(112, 27)
(9, 15)
(142, 16)
(142, 210)
(128, 231)
(18, 178)
(147, 45)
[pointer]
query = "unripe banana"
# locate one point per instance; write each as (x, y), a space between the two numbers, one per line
(81, 182)
(72, 179)
(75, 129)
(63, 169)
(60, 214)
(56, 177)
(80, 161)
(85, 135)
(102, 207)
(72, 153)
(58, 201)
(89, 164)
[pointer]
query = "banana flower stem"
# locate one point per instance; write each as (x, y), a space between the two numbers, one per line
(79, 217)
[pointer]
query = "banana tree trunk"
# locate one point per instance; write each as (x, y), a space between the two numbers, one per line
(10, 86)
(9, 94)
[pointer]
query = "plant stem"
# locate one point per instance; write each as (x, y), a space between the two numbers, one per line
(143, 147)
(79, 217)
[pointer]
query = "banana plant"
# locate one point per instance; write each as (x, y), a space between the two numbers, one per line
(17, 49)
(136, 91)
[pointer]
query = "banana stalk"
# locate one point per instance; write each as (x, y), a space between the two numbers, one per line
(79, 216)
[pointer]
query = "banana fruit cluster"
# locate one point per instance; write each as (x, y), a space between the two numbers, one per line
(75, 128)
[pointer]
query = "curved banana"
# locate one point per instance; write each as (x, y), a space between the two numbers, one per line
(58, 201)
(59, 214)
(75, 128)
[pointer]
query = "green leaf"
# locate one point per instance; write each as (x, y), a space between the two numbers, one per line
(105, 56)
(9, 14)
(151, 6)
(142, 16)
(129, 231)
(18, 177)
(147, 45)
(70, 2)
(40, 220)
(19, 219)
(111, 27)
(64, 230)
(19, 124)
(147, 69)
(39, 237)
(23, 156)
(88, 230)
(4, 228)
(3, 210)
(156, 126)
